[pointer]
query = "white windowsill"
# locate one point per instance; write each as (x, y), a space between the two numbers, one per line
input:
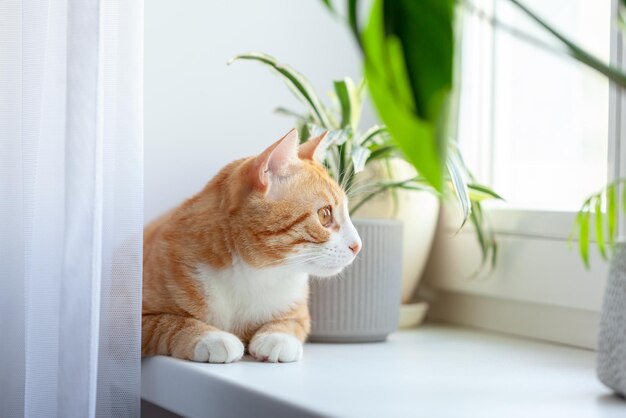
(434, 371)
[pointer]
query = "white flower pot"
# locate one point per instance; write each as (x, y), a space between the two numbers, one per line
(361, 305)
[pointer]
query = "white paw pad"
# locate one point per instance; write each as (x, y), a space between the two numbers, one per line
(276, 347)
(218, 347)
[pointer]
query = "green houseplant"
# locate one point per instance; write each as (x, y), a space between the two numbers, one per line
(408, 57)
(374, 172)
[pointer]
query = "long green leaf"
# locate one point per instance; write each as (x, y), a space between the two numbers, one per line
(481, 240)
(426, 33)
(329, 5)
(494, 253)
(489, 245)
(475, 218)
(417, 187)
(304, 132)
(408, 65)
(478, 193)
(381, 152)
(371, 134)
(360, 157)
(337, 137)
(611, 213)
(298, 84)
(599, 226)
(582, 219)
(350, 103)
(461, 191)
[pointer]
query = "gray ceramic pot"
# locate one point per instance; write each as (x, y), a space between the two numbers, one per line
(363, 303)
(612, 341)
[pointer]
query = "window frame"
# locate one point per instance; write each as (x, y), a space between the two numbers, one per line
(482, 138)
(553, 295)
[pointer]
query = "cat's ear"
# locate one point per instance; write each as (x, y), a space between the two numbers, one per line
(276, 160)
(308, 150)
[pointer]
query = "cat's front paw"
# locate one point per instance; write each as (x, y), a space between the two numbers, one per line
(276, 347)
(218, 347)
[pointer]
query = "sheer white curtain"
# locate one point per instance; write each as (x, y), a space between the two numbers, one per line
(70, 207)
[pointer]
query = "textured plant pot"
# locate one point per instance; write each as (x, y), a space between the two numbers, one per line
(363, 304)
(611, 365)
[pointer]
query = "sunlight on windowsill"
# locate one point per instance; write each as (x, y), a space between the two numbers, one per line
(435, 370)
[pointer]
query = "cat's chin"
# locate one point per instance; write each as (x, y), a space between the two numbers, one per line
(326, 272)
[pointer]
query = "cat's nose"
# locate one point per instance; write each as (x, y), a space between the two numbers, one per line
(355, 247)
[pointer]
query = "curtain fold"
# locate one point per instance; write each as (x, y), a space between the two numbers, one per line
(70, 207)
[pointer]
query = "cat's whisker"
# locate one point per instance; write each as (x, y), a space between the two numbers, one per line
(357, 189)
(356, 186)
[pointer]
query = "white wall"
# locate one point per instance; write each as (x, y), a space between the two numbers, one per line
(201, 114)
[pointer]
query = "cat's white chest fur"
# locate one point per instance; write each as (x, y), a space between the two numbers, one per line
(240, 295)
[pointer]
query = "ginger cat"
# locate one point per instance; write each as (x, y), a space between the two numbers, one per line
(230, 266)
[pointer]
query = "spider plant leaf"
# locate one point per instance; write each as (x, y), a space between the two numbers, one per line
(359, 158)
(494, 253)
(329, 5)
(611, 213)
(296, 82)
(455, 150)
(350, 103)
(459, 185)
(599, 226)
(480, 236)
(485, 236)
(361, 88)
(380, 152)
(304, 132)
(417, 187)
(371, 134)
(479, 193)
(582, 219)
(336, 137)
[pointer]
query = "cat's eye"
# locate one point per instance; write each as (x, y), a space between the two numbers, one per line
(325, 215)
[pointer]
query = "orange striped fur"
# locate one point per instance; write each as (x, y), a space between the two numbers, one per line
(229, 267)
